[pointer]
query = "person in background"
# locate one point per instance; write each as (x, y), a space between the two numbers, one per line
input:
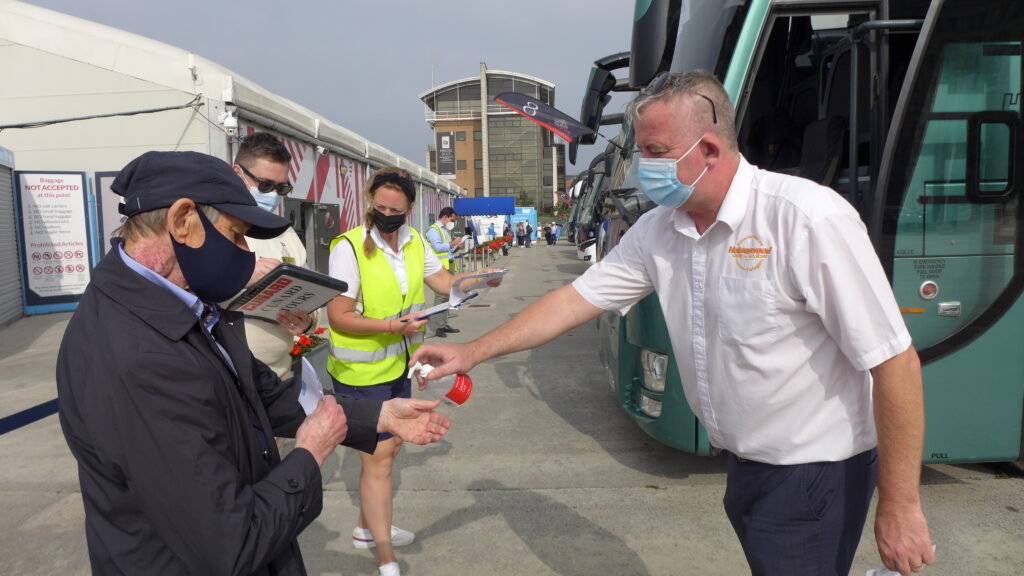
(262, 164)
(556, 231)
(789, 342)
(439, 238)
(491, 232)
(471, 232)
(374, 328)
(520, 234)
(169, 416)
(506, 232)
(547, 235)
(528, 234)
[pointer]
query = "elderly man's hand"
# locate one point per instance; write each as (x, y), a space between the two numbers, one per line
(413, 420)
(323, 430)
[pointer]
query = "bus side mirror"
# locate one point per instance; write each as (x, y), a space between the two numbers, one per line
(993, 156)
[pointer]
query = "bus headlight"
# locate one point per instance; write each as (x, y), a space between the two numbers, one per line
(655, 367)
(650, 406)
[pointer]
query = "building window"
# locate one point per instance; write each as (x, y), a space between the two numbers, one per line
(460, 136)
(478, 164)
(460, 164)
(478, 135)
(478, 192)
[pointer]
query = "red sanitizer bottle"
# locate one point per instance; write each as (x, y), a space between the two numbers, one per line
(453, 389)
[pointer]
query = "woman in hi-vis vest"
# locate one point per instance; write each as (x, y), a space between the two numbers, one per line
(374, 330)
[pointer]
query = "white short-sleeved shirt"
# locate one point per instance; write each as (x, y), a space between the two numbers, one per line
(776, 314)
(343, 266)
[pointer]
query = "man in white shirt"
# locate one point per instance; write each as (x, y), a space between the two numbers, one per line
(262, 164)
(789, 341)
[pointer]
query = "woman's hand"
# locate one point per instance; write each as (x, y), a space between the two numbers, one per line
(406, 325)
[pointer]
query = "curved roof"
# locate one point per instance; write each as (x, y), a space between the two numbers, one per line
(476, 80)
(162, 64)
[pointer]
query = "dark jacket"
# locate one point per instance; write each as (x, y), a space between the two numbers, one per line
(176, 457)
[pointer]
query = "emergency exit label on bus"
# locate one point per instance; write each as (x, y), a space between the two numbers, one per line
(930, 269)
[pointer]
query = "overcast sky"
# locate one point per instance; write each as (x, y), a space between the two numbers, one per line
(362, 64)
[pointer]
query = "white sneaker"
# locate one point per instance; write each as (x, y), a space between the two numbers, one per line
(389, 569)
(362, 538)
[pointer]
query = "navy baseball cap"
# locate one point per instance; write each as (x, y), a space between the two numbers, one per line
(158, 179)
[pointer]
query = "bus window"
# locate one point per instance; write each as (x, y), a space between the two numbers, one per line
(951, 216)
(795, 118)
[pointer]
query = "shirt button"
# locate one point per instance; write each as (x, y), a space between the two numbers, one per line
(293, 483)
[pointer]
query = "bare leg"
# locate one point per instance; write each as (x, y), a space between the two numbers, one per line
(375, 497)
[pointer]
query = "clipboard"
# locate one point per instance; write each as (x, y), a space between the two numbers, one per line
(458, 296)
(287, 287)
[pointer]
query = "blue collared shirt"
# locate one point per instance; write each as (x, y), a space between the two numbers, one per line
(191, 300)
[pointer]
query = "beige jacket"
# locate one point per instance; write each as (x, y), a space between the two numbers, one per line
(270, 342)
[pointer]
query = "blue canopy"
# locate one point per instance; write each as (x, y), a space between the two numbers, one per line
(485, 205)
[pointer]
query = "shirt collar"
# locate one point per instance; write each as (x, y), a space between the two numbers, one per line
(191, 300)
(733, 208)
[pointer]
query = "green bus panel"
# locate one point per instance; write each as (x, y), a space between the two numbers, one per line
(973, 397)
(644, 327)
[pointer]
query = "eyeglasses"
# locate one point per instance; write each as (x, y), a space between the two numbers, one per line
(659, 82)
(264, 186)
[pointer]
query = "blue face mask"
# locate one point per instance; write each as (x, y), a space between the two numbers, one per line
(658, 180)
(268, 201)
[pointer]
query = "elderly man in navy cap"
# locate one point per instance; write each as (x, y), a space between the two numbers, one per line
(170, 417)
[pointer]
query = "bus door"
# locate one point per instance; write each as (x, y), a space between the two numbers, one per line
(947, 223)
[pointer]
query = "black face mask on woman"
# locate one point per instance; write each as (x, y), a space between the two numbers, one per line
(218, 269)
(387, 224)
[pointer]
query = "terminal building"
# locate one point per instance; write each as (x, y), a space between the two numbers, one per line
(83, 99)
(489, 150)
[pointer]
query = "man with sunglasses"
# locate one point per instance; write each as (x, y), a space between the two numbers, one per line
(790, 345)
(262, 163)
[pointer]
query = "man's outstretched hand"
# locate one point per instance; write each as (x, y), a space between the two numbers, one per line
(413, 420)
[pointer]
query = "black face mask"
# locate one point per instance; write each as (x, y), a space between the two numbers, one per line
(218, 269)
(387, 224)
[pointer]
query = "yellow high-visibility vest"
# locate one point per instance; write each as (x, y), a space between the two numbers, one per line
(442, 256)
(368, 359)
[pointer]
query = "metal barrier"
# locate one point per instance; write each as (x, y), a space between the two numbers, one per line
(476, 258)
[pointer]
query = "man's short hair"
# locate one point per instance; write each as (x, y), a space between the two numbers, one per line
(446, 212)
(145, 224)
(262, 145)
(710, 107)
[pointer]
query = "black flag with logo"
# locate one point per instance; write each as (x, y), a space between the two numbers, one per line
(551, 118)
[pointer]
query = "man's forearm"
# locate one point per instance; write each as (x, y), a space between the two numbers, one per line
(554, 314)
(899, 417)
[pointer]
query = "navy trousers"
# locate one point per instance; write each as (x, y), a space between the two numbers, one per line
(800, 520)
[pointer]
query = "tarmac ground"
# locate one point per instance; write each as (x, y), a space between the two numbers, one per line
(541, 473)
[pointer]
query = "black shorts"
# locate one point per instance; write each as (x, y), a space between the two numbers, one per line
(400, 387)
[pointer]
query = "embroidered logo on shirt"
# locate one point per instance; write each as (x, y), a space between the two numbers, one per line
(750, 253)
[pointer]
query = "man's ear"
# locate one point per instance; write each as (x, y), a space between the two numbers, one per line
(711, 146)
(183, 223)
(238, 170)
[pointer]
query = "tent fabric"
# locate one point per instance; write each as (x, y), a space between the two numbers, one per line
(485, 206)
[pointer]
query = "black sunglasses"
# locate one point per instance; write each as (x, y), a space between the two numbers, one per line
(264, 186)
(659, 82)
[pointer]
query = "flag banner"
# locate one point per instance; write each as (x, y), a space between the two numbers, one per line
(551, 118)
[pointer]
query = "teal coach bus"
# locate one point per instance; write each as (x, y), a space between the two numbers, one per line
(908, 108)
